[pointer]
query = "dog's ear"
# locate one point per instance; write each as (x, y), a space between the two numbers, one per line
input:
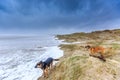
(88, 46)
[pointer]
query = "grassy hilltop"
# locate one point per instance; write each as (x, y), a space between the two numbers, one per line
(76, 64)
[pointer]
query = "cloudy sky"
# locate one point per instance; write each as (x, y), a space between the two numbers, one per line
(58, 16)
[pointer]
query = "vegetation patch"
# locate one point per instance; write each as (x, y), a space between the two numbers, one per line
(116, 46)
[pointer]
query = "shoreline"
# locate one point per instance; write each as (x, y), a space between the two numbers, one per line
(23, 58)
(54, 52)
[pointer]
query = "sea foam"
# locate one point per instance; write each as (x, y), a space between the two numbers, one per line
(19, 63)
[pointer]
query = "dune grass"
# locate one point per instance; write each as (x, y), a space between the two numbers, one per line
(76, 64)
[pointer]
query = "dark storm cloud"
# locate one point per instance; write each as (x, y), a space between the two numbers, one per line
(31, 6)
(63, 5)
(49, 14)
(68, 6)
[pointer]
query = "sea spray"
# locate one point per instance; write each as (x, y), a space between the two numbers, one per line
(18, 58)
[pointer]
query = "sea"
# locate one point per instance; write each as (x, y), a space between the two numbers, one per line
(19, 55)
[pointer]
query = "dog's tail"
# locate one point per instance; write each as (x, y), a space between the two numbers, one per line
(56, 59)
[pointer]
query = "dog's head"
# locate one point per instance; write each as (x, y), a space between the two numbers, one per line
(39, 64)
(88, 47)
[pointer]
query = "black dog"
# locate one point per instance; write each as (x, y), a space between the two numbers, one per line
(46, 65)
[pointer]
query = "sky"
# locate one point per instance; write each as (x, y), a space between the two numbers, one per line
(58, 16)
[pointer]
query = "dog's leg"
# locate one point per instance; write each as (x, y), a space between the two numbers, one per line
(44, 73)
(51, 65)
(47, 72)
(102, 57)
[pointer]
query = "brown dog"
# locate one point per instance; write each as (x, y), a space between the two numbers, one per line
(97, 51)
(46, 65)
